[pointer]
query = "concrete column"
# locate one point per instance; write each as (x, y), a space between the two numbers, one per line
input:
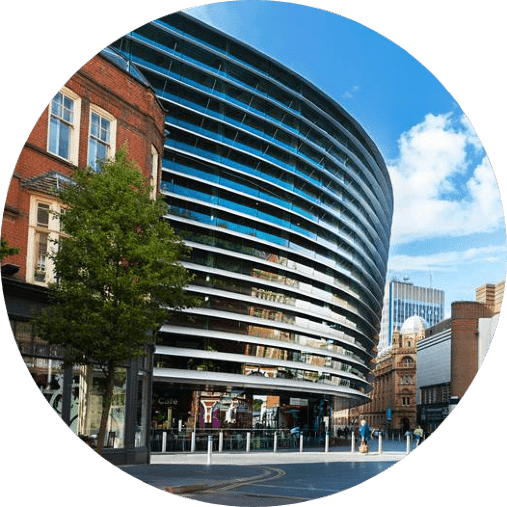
(192, 443)
(247, 441)
(301, 442)
(380, 442)
(326, 447)
(220, 442)
(275, 441)
(164, 441)
(408, 443)
(353, 443)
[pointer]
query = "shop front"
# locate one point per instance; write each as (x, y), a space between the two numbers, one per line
(181, 412)
(76, 392)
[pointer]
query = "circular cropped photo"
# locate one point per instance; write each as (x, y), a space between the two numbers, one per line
(253, 254)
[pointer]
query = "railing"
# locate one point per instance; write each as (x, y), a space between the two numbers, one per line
(270, 440)
(233, 440)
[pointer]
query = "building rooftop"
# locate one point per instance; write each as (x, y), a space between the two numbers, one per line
(414, 325)
(120, 61)
(51, 182)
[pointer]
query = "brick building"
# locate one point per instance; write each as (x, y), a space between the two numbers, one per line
(446, 358)
(393, 398)
(101, 108)
(465, 344)
(491, 294)
(450, 355)
(105, 105)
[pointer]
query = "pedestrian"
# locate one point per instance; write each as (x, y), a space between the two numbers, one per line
(418, 434)
(364, 431)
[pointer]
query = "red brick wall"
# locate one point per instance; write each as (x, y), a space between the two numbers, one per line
(140, 124)
(464, 343)
(140, 119)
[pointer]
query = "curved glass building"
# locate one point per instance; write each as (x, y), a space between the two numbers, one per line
(287, 205)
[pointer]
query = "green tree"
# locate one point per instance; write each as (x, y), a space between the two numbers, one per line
(6, 250)
(117, 270)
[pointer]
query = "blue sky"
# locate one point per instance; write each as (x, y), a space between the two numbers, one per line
(448, 228)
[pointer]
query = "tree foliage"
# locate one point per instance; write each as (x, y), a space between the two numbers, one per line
(117, 269)
(6, 250)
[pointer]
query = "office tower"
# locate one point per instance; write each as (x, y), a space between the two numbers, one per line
(287, 205)
(403, 299)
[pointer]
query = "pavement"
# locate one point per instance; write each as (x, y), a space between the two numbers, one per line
(177, 472)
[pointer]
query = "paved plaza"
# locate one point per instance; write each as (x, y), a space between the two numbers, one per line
(265, 478)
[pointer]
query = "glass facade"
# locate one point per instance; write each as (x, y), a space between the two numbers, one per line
(76, 393)
(287, 205)
(403, 300)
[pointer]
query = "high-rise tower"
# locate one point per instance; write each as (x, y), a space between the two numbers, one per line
(402, 300)
(287, 205)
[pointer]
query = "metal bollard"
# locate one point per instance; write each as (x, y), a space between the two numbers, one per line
(192, 443)
(408, 443)
(164, 441)
(248, 441)
(220, 441)
(380, 443)
(275, 442)
(301, 443)
(353, 443)
(210, 448)
(326, 447)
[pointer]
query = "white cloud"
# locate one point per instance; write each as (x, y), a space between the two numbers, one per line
(450, 260)
(472, 137)
(434, 193)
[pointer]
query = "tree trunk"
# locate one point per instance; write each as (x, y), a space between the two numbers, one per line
(106, 407)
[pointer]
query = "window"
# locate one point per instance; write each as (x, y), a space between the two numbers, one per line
(44, 228)
(405, 400)
(41, 242)
(91, 386)
(102, 134)
(64, 114)
(24, 337)
(42, 215)
(154, 172)
(407, 361)
(41, 256)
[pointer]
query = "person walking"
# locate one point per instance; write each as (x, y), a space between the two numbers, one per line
(364, 431)
(418, 434)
